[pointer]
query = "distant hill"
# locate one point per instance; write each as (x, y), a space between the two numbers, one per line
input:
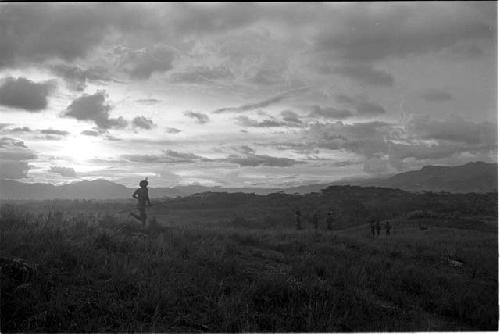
(473, 177)
(478, 177)
(96, 189)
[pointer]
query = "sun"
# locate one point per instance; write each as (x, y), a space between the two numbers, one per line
(81, 149)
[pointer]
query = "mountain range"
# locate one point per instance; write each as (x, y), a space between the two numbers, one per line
(473, 177)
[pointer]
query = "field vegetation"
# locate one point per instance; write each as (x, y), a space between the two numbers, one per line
(234, 262)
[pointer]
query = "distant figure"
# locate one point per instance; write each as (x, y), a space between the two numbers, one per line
(297, 219)
(315, 220)
(142, 197)
(377, 226)
(329, 220)
(372, 227)
(387, 228)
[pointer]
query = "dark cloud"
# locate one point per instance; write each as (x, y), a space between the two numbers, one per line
(436, 95)
(362, 73)
(25, 94)
(63, 171)
(260, 160)
(54, 132)
(148, 101)
(113, 138)
(366, 34)
(142, 63)
(454, 130)
(76, 78)
(245, 149)
(329, 112)
(172, 130)
(389, 147)
(199, 117)
(90, 133)
(143, 123)
(267, 123)
(49, 137)
(369, 108)
(202, 74)
(6, 142)
(343, 98)
(168, 156)
(19, 129)
(361, 105)
(34, 33)
(14, 157)
(94, 108)
(268, 76)
(253, 106)
(366, 139)
(290, 117)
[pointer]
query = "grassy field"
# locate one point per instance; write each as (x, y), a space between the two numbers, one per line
(110, 275)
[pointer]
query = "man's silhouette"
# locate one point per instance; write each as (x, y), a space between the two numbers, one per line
(315, 219)
(377, 226)
(297, 219)
(387, 227)
(329, 220)
(142, 197)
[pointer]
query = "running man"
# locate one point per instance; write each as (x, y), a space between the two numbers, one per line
(142, 197)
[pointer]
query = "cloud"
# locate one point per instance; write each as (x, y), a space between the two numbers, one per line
(267, 123)
(361, 105)
(142, 63)
(369, 108)
(260, 160)
(436, 95)
(148, 101)
(19, 129)
(253, 106)
(25, 94)
(6, 142)
(90, 133)
(377, 166)
(54, 132)
(14, 157)
(202, 74)
(63, 171)
(41, 32)
(362, 73)
(364, 33)
(329, 112)
(455, 130)
(76, 78)
(386, 147)
(94, 108)
(290, 117)
(199, 117)
(168, 156)
(172, 130)
(143, 123)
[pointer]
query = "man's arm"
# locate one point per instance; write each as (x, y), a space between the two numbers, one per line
(147, 198)
(135, 194)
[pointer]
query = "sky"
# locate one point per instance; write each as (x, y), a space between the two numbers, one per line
(244, 94)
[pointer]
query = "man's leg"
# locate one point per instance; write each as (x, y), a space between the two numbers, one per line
(143, 216)
(135, 216)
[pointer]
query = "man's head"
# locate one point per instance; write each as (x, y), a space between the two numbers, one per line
(143, 183)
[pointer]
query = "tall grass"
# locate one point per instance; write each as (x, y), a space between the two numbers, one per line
(112, 276)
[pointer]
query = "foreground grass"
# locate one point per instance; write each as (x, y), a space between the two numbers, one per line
(115, 277)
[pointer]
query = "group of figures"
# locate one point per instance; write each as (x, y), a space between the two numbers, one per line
(314, 220)
(375, 224)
